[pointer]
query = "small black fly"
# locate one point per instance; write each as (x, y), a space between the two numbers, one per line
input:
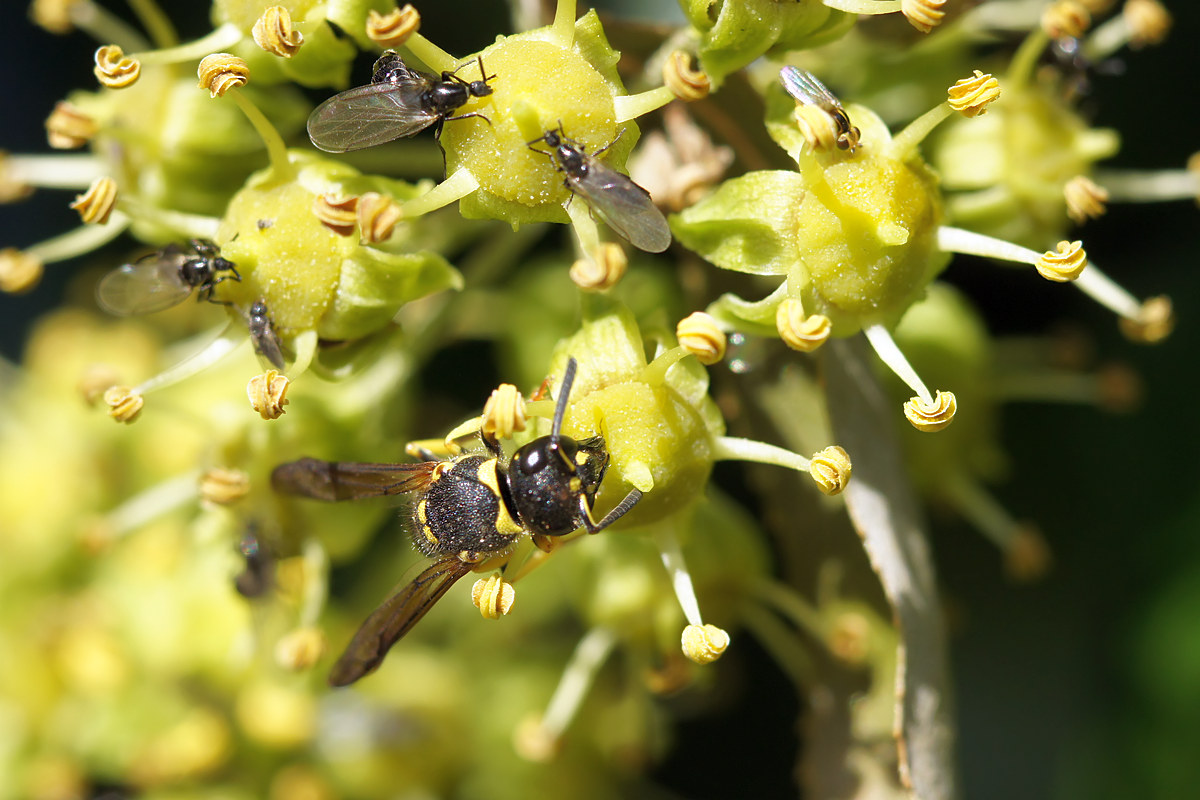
(164, 279)
(806, 89)
(262, 333)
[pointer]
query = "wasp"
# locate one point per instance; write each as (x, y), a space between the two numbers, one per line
(623, 205)
(399, 101)
(165, 278)
(468, 509)
(808, 90)
(263, 335)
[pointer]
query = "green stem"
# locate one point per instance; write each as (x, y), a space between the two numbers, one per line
(156, 22)
(83, 239)
(106, 28)
(904, 144)
(454, 188)
(281, 169)
(429, 53)
(730, 448)
(218, 41)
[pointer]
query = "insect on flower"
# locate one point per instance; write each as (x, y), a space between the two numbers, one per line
(164, 279)
(809, 91)
(623, 205)
(399, 101)
(262, 333)
(467, 509)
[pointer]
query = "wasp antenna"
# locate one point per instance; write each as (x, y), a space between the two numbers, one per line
(564, 391)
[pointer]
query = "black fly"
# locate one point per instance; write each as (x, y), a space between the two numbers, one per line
(399, 101)
(262, 333)
(626, 207)
(164, 279)
(806, 89)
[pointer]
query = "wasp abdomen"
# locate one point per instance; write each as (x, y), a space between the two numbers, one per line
(465, 509)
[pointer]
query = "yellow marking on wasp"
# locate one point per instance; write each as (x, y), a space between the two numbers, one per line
(576, 485)
(581, 458)
(505, 523)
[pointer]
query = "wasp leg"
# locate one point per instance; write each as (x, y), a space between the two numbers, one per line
(621, 510)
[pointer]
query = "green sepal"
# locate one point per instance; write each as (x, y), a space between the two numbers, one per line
(374, 284)
(755, 317)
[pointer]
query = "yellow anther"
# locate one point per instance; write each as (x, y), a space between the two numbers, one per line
(19, 271)
(95, 379)
(533, 742)
(1085, 198)
(924, 15)
(971, 96)
(1154, 323)
(124, 404)
(830, 468)
(798, 331)
(493, 596)
(849, 638)
(97, 202)
(1066, 19)
(504, 412)
(53, 15)
(114, 69)
(685, 79)
(704, 644)
(1097, 7)
(274, 33)
(12, 188)
(1027, 557)
(378, 216)
(393, 28)
(819, 129)
(930, 417)
(1148, 20)
(1064, 263)
(300, 649)
(67, 127)
(223, 486)
(699, 334)
(268, 394)
(339, 214)
(221, 72)
(603, 270)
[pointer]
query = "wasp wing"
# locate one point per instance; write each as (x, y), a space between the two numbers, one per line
(147, 285)
(372, 114)
(623, 205)
(807, 88)
(394, 618)
(349, 480)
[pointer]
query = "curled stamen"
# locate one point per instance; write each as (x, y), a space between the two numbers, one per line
(699, 334)
(830, 469)
(493, 596)
(114, 69)
(1064, 263)
(603, 271)
(924, 15)
(1085, 199)
(68, 128)
(19, 271)
(798, 331)
(393, 29)
(268, 394)
(300, 649)
(971, 96)
(704, 644)
(377, 216)
(221, 72)
(274, 33)
(1066, 19)
(1154, 322)
(223, 486)
(504, 412)
(928, 417)
(1148, 20)
(95, 205)
(683, 76)
(124, 404)
(820, 130)
(53, 15)
(339, 214)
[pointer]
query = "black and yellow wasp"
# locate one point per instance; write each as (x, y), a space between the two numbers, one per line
(468, 509)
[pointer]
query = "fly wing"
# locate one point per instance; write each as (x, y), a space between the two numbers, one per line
(806, 88)
(394, 618)
(150, 284)
(348, 480)
(624, 206)
(267, 345)
(371, 115)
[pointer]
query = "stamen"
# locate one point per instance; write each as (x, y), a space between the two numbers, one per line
(603, 270)
(95, 379)
(683, 75)
(68, 128)
(151, 504)
(83, 239)
(818, 127)
(929, 417)
(268, 394)
(378, 214)
(1148, 20)
(300, 649)
(1153, 322)
(889, 353)
(429, 53)
(114, 69)
(394, 28)
(222, 38)
(20, 272)
(454, 188)
(1066, 19)
(504, 412)
(216, 350)
(924, 15)
(704, 644)
(274, 33)
(339, 214)
(95, 205)
(124, 403)
(493, 596)
(800, 332)
(1151, 186)
(700, 335)
(1085, 199)
(681, 579)
(1064, 263)
(832, 464)
(831, 469)
(631, 106)
(20, 173)
(224, 486)
(1026, 554)
(972, 96)
(220, 72)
